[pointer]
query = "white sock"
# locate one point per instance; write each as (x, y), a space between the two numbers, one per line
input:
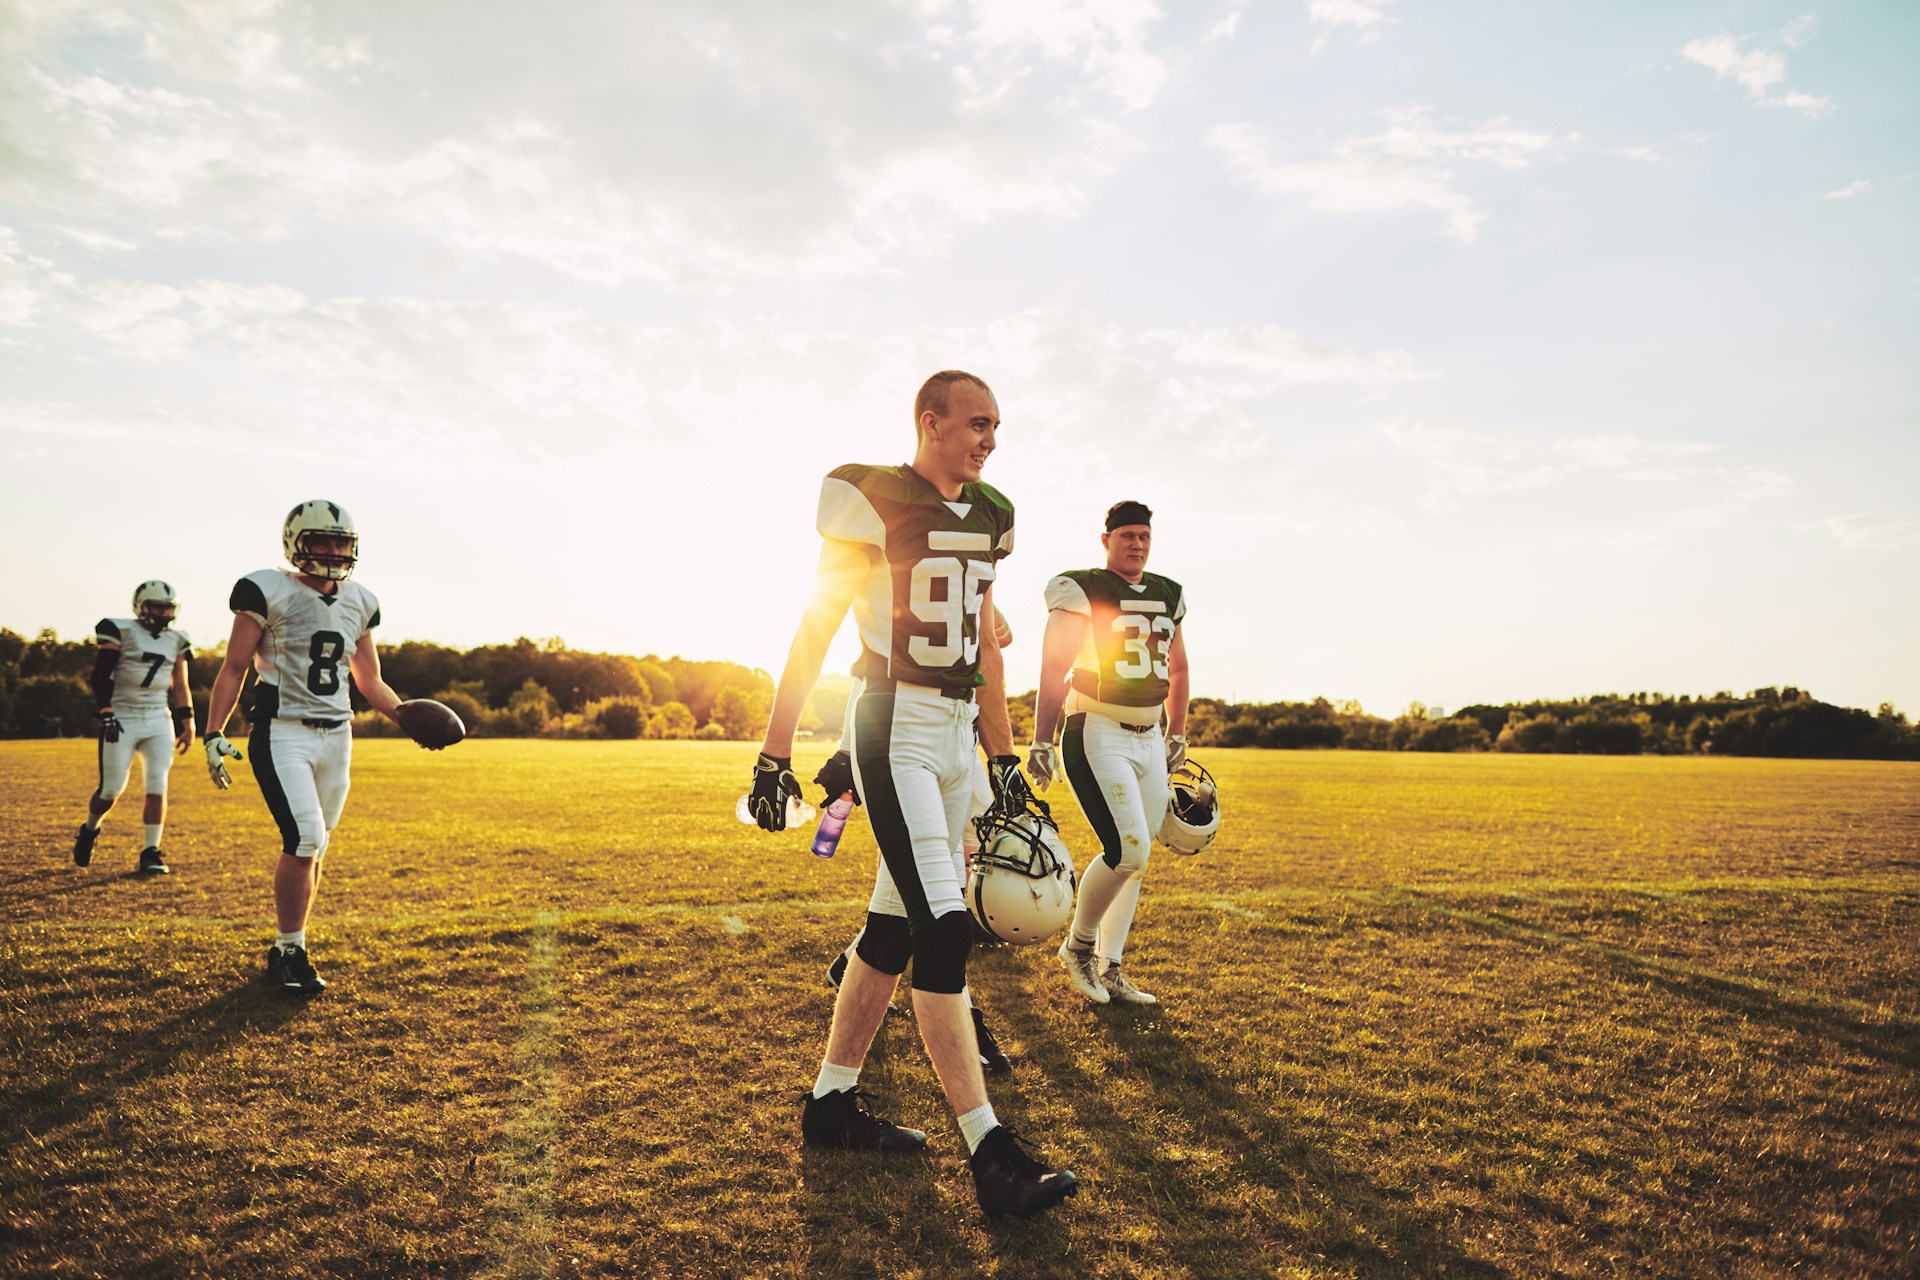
(977, 1124)
(93, 820)
(153, 834)
(1099, 886)
(296, 939)
(834, 1077)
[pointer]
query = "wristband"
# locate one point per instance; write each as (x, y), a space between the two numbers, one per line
(182, 717)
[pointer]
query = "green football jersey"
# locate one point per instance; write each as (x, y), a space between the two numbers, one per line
(918, 609)
(1123, 652)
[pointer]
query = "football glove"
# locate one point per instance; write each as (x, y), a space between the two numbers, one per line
(836, 778)
(109, 726)
(1176, 751)
(218, 746)
(773, 784)
(1043, 763)
(1011, 794)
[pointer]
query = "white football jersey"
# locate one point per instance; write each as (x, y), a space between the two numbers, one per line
(303, 654)
(145, 673)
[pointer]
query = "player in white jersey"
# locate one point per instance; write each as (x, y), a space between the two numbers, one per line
(139, 668)
(1113, 658)
(913, 550)
(302, 631)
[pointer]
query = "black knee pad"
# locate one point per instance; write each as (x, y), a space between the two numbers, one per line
(940, 954)
(885, 943)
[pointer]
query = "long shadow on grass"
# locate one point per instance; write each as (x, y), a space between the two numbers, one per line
(143, 1056)
(1356, 1223)
(1895, 1043)
(87, 882)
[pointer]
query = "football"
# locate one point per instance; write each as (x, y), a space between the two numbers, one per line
(434, 725)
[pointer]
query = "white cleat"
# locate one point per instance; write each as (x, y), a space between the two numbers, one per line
(1122, 990)
(1083, 970)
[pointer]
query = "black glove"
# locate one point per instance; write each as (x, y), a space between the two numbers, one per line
(773, 783)
(1011, 794)
(109, 726)
(836, 778)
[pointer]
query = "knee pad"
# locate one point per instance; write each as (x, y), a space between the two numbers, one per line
(940, 954)
(885, 943)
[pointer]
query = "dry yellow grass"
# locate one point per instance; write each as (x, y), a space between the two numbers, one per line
(1434, 1015)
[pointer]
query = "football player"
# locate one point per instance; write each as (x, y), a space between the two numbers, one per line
(299, 628)
(139, 667)
(913, 551)
(836, 778)
(1112, 659)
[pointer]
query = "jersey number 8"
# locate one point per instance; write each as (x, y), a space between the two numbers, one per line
(323, 677)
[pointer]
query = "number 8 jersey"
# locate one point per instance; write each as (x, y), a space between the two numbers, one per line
(1123, 655)
(918, 609)
(307, 641)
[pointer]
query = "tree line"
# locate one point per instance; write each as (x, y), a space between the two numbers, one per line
(543, 688)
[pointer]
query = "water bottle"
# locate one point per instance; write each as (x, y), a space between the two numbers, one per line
(832, 823)
(799, 812)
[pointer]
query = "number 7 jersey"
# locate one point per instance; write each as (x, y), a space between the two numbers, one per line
(1123, 657)
(307, 641)
(931, 560)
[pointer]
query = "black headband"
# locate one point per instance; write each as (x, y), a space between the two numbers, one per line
(1129, 512)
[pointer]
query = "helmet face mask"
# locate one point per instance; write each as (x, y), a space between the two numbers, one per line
(1021, 884)
(1193, 810)
(154, 605)
(308, 527)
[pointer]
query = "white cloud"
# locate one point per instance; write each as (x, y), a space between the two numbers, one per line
(1857, 188)
(1407, 166)
(1761, 72)
(1363, 18)
(1228, 24)
(1872, 532)
(1798, 32)
(1105, 39)
(1462, 466)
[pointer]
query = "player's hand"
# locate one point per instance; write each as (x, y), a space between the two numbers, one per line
(1011, 794)
(1176, 751)
(773, 784)
(836, 777)
(183, 740)
(1043, 763)
(217, 747)
(109, 726)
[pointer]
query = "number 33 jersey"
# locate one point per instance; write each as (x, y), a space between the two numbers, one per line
(308, 640)
(918, 609)
(1123, 655)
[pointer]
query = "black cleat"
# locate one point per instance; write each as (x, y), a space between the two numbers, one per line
(1008, 1180)
(837, 971)
(83, 845)
(840, 1120)
(289, 969)
(153, 862)
(991, 1059)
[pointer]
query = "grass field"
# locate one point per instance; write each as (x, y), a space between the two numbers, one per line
(1434, 1015)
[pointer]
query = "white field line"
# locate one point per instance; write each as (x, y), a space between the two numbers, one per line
(522, 1236)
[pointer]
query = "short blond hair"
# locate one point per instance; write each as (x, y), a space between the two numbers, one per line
(933, 393)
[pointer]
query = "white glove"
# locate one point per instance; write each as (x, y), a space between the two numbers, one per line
(1043, 764)
(218, 746)
(1176, 751)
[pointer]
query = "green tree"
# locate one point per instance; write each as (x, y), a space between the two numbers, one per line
(672, 720)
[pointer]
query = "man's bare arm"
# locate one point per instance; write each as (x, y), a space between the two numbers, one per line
(1058, 648)
(842, 567)
(1178, 683)
(226, 685)
(996, 734)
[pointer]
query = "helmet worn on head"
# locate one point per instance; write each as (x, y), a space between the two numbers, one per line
(154, 605)
(1193, 810)
(314, 520)
(1020, 888)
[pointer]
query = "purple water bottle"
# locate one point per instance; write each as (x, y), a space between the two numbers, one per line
(833, 821)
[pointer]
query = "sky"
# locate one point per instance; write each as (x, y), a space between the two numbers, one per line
(1465, 353)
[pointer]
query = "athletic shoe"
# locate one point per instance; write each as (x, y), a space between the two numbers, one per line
(153, 862)
(837, 971)
(1083, 970)
(1008, 1180)
(83, 845)
(1123, 991)
(991, 1059)
(841, 1120)
(289, 969)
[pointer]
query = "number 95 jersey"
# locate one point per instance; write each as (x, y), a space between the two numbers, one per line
(307, 641)
(1123, 657)
(918, 609)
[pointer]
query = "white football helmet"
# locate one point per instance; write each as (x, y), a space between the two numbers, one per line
(154, 605)
(316, 519)
(1193, 810)
(1020, 888)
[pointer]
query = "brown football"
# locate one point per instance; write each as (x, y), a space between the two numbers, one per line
(434, 725)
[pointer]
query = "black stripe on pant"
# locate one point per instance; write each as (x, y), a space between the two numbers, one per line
(1086, 789)
(266, 702)
(873, 741)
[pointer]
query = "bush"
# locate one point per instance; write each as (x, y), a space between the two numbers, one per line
(371, 724)
(672, 720)
(1536, 735)
(1452, 735)
(54, 707)
(472, 712)
(622, 717)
